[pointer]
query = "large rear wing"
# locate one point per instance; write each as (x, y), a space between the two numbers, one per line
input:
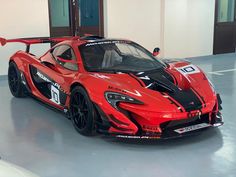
(36, 40)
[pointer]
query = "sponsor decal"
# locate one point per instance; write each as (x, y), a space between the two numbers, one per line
(137, 137)
(55, 88)
(50, 81)
(104, 42)
(192, 128)
(43, 77)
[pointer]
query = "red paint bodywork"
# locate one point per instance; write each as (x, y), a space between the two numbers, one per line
(157, 108)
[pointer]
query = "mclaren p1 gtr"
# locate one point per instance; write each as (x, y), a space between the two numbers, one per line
(116, 87)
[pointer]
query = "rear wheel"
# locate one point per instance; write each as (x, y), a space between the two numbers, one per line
(14, 81)
(82, 111)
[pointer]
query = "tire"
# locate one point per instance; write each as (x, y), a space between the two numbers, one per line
(82, 111)
(14, 81)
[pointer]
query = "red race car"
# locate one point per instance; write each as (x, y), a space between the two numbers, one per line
(116, 87)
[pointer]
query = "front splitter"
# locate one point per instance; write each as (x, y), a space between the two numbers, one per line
(170, 134)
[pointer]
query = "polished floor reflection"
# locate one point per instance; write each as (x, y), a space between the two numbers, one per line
(44, 142)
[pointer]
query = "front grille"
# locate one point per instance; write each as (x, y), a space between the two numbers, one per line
(175, 124)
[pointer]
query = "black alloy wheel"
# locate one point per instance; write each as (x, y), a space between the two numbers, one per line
(14, 81)
(82, 111)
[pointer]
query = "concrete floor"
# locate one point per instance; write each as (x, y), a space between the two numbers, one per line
(44, 142)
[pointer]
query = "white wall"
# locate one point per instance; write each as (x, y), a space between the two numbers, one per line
(181, 28)
(137, 20)
(21, 18)
(188, 28)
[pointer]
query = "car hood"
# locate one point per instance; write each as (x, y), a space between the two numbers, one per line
(160, 89)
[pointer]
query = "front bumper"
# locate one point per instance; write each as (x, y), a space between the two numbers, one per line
(174, 129)
(164, 129)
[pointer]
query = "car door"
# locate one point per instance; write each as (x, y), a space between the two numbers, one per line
(52, 78)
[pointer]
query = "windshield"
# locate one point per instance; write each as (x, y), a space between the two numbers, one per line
(123, 56)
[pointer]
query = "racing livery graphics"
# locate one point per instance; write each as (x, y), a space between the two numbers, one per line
(116, 87)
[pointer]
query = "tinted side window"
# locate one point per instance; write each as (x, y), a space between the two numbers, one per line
(65, 56)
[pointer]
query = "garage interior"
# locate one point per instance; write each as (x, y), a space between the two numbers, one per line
(44, 141)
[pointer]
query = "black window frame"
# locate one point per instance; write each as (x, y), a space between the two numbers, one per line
(54, 57)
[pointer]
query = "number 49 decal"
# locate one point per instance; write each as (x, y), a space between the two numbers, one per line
(189, 69)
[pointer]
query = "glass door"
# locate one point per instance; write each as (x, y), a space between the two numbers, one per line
(225, 11)
(225, 27)
(76, 17)
(89, 17)
(60, 18)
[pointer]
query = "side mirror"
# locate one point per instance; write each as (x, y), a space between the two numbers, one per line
(156, 51)
(59, 58)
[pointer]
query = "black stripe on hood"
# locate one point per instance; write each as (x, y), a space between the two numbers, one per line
(161, 81)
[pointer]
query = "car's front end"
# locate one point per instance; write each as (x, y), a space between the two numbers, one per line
(137, 96)
(132, 110)
(134, 120)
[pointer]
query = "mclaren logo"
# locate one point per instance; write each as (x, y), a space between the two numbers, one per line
(43, 77)
(48, 80)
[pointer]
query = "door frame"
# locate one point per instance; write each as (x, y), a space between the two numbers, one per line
(216, 25)
(72, 30)
(56, 31)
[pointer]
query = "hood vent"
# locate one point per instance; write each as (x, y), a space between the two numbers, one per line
(158, 80)
(159, 87)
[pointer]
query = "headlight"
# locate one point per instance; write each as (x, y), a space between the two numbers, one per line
(114, 98)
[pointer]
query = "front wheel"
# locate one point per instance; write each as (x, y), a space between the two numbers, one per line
(82, 111)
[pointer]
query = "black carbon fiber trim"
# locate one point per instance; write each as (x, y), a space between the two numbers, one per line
(161, 81)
